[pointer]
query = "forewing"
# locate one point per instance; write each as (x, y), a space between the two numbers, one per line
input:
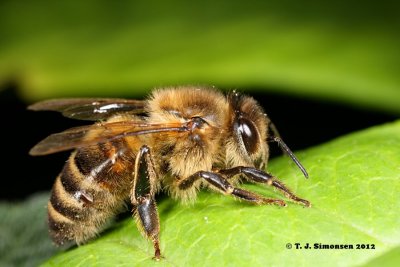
(101, 132)
(90, 108)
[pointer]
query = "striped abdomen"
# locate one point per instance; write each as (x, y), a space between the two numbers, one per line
(91, 188)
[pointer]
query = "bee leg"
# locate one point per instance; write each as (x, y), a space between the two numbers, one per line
(218, 181)
(259, 176)
(142, 198)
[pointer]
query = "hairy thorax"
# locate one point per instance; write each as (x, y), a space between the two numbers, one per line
(183, 154)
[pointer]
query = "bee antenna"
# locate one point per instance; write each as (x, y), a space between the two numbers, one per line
(276, 138)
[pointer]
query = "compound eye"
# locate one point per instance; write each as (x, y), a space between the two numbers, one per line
(249, 135)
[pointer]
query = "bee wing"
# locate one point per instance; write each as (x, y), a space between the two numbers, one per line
(98, 133)
(90, 108)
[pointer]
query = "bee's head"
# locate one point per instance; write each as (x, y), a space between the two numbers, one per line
(249, 128)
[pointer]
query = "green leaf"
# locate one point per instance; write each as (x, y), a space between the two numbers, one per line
(353, 186)
(23, 232)
(339, 50)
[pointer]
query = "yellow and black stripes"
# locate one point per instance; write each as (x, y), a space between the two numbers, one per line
(82, 199)
(61, 204)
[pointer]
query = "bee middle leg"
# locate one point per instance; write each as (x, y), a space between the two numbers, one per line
(218, 181)
(142, 198)
(260, 176)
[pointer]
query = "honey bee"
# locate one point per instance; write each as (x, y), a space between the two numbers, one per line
(178, 140)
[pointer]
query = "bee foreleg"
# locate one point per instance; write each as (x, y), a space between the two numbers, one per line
(260, 176)
(223, 185)
(142, 198)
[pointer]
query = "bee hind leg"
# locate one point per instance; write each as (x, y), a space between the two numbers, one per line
(218, 181)
(142, 198)
(260, 176)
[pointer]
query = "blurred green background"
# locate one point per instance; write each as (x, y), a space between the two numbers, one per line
(340, 60)
(344, 51)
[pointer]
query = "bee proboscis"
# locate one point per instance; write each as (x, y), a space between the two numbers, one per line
(177, 140)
